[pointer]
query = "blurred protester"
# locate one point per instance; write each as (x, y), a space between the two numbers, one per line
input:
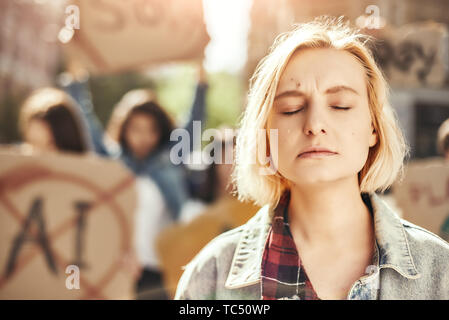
(215, 189)
(138, 134)
(443, 139)
(179, 243)
(209, 182)
(49, 120)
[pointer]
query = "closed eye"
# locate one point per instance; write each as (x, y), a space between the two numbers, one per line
(288, 113)
(340, 108)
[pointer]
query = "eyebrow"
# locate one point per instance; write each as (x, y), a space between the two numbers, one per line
(341, 88)
(290, 93)
(332, 90)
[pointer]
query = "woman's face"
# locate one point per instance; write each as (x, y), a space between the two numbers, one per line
(141, 134)
(321, 101)
(38, 134)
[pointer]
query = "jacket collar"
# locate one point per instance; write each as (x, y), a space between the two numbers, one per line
(394, 250)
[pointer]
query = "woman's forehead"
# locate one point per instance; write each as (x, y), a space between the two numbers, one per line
(321, 69)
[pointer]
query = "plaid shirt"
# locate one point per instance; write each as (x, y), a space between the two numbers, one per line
(282, 275)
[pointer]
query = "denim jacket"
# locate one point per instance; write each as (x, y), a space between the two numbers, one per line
(411, 262)
(170, 178)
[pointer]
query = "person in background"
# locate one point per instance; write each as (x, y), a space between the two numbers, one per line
(142, 130)
(49, 120)
(443, 139)
(216, 189)
(179, 243)
(138, 134)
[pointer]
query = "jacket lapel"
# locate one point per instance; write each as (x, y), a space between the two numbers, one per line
(394, 250)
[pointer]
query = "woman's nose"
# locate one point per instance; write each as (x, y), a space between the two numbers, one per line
(314, 123)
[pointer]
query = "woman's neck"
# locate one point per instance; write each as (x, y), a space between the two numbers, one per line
(330, 214)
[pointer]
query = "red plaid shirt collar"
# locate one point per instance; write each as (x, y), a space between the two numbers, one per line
(282, 274)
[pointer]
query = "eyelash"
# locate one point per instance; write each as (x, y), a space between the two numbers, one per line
(289, 113)
(341, 108)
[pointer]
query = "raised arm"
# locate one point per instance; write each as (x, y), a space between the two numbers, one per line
(198, 109)
(78, 89)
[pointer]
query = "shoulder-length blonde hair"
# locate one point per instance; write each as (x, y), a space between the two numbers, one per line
(385, 159)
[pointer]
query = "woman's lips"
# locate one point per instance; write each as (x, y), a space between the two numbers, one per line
(316, 154)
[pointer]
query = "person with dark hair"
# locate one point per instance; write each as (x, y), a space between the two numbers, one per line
(49, 120)
(138, 133)
(222, 210)
(161, 124)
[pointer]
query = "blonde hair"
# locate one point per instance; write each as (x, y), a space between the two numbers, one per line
(385, 159)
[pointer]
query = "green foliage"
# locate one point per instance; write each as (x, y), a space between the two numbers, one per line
(224, 98)
(9, 116)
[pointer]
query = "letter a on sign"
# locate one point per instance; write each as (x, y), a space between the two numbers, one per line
(34, 218)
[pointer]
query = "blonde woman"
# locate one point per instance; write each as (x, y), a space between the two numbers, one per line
(323, 232)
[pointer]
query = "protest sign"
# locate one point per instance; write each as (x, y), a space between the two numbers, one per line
(117, 35)
(423, 195)
(65, 224)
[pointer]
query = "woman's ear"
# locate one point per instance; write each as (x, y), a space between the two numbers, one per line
(373, 137)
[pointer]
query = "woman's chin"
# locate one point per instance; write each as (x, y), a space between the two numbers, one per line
(313, 179)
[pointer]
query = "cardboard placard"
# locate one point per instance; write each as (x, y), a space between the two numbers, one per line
(411, 55)
(414, 55)
(116, 35)
(423, 195)
(64, 220)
